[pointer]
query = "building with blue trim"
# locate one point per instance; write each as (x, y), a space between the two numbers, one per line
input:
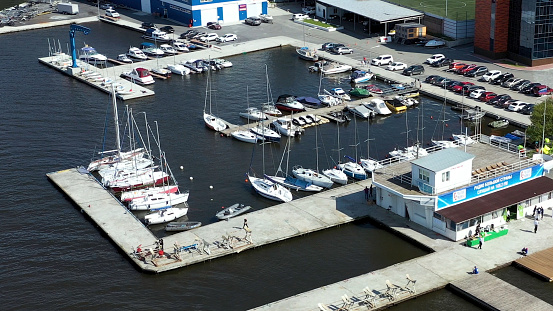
(199, 12)
(453, 191)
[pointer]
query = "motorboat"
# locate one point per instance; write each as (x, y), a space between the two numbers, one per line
(161, 71)
(334, 68)
(298, 121)
(151, 49)
(253, 114)
(329, 99)
(396, 105)
(336, 175)
(369, 165)
(373, 89)
(165, 215)
(128, 196)
(360, 92)
(307, 53)
(361, 76)
(309, 101)
(378, 106)
(158, 201)
(223, 62)
(179, 69)
(353, 170)
(265, 133)
(233, 210)
(314, 119)
(408, 101)
(463, 139)
(312, 176)
(339, 92)
(362, 111)
(269, 189)
(196, 65)
(245, 136)
(289, 103)
(182, 225)
(136, 53)
(139, 75)
(271, 110)
(305, 120)
(499, 123)
(294, 183)
(89, 55)
(124, 59)
(180, 46)
(155, 34)
(168, 49)
(338, 117)
(285, 127)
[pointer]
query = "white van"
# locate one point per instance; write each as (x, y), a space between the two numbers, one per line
(382, 60)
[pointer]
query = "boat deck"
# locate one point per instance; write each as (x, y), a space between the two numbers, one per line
(539, 263)
(316, 212)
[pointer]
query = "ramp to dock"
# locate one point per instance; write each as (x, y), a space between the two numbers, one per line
(539, 263)
(497, 294)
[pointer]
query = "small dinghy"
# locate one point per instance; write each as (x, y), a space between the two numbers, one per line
(182, 225)
(233, 210)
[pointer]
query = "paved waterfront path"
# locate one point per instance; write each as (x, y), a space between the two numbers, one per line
(450, 262)
(323, 210)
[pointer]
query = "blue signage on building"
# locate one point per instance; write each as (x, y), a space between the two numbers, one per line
(489, 186)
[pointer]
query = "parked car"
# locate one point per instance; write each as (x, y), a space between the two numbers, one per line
(213, 25)
(542, 90)
(308, 10)
(510, 82)
(517, 105)
(528, 89)
(440, 81)
(487, 96)
(477, 71)
(490, 75)
(431, 78)
(519, 86)
(188, 34)
(329, 45)
(476, 93)
(456, 65)
(413, 70)
(299, 16)
(227, 37)
(471, 88)
(167, 29)
(502, 77)
(442, 62)
(451, 83)
(342, 50)
(382, 60)
(434, 43)
(112, 13)
(462, 88)
(528, 109)
(434, 58)
(199, 35)
(506, 103)
(396, 66)
(209, 37)
(466, 68)
(148, 25)
(499, 99)
(253, 21)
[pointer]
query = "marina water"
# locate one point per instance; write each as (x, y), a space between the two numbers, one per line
(55, 258)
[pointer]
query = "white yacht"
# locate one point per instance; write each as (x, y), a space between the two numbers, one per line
(135, 52)
(167, 49)
(245, 136)
(158, 200)
(155, 34)
(178, 69)
(90, 55)
(378, 105)
(285, 127)
(270, 190)
(165, 215)
(312, 176)
(253, 114)
(180, 46)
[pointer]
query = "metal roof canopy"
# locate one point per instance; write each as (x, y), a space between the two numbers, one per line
(380, 11)
(443, 159)
(497, 200)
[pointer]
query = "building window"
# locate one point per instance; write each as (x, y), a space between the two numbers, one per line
(495, 214)
(463, 225)
(445, 176)
(424, 175)
(451, 225)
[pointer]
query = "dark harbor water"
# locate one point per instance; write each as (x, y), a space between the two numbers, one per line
(56, 259)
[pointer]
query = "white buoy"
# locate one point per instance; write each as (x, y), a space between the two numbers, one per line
(191, 178)
(210, 187)
(181, 167)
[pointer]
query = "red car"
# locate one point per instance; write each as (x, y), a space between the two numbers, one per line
(466, 69)
(487, 96)
(459, 88)
(541, 90)
(213, 25)
(456, 65)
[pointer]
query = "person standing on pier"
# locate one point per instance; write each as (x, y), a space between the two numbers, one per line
(541, 212)
(536, 223)
(366, 193)
(371, 191)
(481, 241)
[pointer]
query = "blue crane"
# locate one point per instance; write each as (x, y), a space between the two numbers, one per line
(73, 29)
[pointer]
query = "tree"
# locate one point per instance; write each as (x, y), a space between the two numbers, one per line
(536, 128)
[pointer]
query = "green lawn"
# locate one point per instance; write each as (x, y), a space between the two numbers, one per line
(456, 9)
(319, 23)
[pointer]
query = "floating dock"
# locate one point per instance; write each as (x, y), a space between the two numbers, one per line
(319, 211)
(539, 263)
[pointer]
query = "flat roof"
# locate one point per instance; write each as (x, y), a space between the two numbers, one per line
(443, 159)
(375, 9)
(497, 200)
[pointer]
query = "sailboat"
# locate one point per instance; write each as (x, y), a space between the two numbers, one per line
(352, 168)
(369, 164)
(410, 152)
(335, 174)
(313, 176)
(305, 52)
(211, 121)
(245, 135)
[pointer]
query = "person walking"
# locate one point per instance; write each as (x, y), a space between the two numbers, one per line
(366, 193)
(541, 212)
(535, 209)
(245, 224)
(371, 191)
(481, 241)
(536, 223)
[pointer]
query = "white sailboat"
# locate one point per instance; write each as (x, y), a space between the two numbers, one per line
(369, 164)
(335, 174)
(313, 176)
(352, 168)
(211, 121)
(165, 215)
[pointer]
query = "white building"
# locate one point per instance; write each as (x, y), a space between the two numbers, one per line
(451, 191)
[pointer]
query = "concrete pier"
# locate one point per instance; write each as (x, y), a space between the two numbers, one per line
(301, 216)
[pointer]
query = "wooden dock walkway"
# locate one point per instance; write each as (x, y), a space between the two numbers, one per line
(319, 211)
(496, 294)
(539, 263)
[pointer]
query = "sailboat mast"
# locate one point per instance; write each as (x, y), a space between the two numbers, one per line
(116, 120)
(317, 146)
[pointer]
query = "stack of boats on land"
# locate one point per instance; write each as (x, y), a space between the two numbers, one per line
(143, 181)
